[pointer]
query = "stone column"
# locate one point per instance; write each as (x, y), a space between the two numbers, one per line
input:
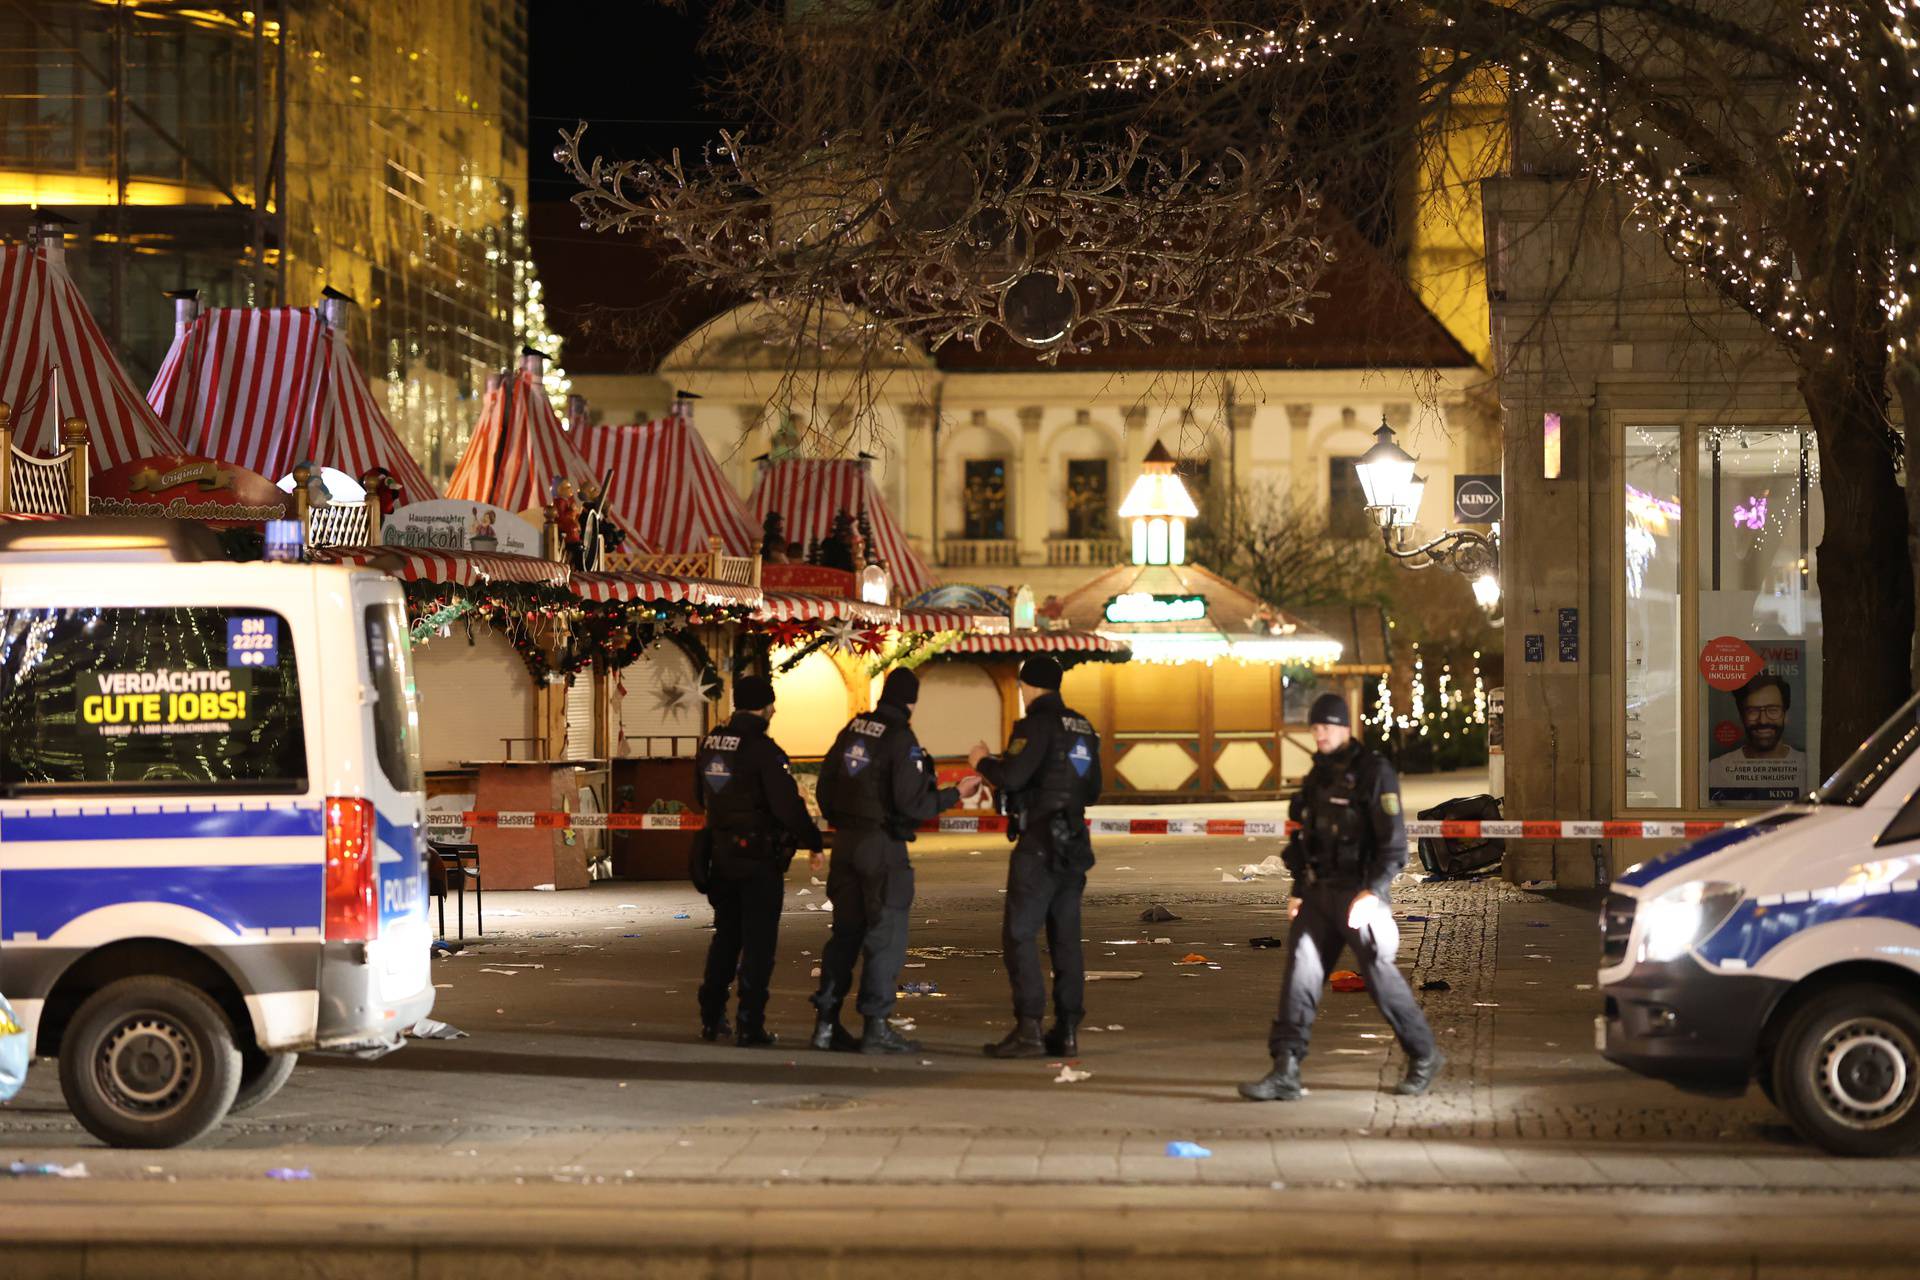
(1031, 490)
(1300, 450)
(916, 456)
(1240, 424)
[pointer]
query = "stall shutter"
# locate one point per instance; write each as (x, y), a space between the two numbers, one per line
(471, 696)
(652, 723)
(959, 706)
(580, 717)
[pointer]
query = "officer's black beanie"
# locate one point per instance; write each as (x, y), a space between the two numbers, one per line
(902, 688)
(1330, 708)
(752, 693)
(1042, 672)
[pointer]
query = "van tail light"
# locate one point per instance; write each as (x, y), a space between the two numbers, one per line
(352, 873)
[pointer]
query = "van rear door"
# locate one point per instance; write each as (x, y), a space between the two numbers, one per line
(390, 729)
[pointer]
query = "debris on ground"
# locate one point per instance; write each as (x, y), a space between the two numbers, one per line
(1348, 980)
(1265, 942)
(1188, 1151)
(803, 893)
(681, 915)
(1436, 984)
(1268, 866)
(511, 973)
(433, 1029)
(1411, 919)
(21, 1169)
(1157, 914)
(919, 989)
(1192, 957)
(543, 888)
(290, 1175)
(1113, 975)
(1070, 1076)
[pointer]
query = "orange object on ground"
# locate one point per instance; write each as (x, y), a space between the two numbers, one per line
(1348, 980)
(1192, 957)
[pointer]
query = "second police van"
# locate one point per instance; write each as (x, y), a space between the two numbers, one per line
(1786, 949)
(210, 819)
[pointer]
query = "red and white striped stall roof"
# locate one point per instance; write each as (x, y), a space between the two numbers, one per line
(800, 606)
(808, 492)
(28, 515)
(937, 620)
(454, 568)
(55, 364)
(271, 387)
(605, 587)
(518, 449)
(666, 488)
(1035, 642)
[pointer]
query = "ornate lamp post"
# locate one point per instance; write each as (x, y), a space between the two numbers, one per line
(1393, 503)
(1158, 506)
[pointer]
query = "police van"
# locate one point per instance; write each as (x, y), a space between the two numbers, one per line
(210, 819)
(1786, 949)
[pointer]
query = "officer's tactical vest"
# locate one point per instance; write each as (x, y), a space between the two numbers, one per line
(1065, 781)
(858, 754)
(1339, 829)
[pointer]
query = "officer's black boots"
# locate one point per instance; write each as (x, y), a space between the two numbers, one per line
(1024, 1041)
(1282, 1084)
(1420, 1074)
(830, 1033)
(718, 1029)
(880, 1037)
(1063, 1041)
(754, 1035)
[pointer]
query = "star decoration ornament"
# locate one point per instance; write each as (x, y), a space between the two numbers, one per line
(680, 694)
(844, 635)
(787, 633)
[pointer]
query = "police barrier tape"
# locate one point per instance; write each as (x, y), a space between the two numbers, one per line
(1528, 829)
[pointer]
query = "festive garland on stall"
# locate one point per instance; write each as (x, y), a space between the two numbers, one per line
(556, 632)
(844, 634)
(913, 649)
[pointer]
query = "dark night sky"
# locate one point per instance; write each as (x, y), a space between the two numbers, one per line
(630, 69)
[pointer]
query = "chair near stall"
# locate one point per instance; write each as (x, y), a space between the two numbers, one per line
(454, 864)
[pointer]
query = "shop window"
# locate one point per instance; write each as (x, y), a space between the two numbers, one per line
(985, 496)
(1759, 626)
(1346, 503)
(1087, 498)
(1651, 670)
(1720, 624)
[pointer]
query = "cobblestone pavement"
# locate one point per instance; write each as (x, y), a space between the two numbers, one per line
(582, 1063)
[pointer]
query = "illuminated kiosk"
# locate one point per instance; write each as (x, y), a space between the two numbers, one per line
(1199, 712)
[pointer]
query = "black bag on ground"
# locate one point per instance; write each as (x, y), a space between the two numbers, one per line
(1445, 858)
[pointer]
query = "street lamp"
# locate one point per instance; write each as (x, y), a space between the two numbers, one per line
(1159, 507)
(1393, 495)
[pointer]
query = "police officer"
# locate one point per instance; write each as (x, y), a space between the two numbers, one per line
(1351, 842)
(755, 820)
(876, 785)
(1048, 775)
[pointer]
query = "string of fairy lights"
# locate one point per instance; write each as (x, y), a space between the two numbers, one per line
(1846, 93)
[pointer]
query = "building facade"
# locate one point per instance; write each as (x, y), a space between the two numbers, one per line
(1664, 517)
(261, 153)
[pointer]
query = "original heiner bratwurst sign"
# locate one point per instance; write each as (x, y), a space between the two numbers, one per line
(186, 487)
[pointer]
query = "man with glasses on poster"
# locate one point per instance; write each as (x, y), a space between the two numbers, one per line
(1765, 766)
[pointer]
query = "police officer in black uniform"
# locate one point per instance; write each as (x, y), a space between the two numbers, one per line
(755, 820)
(876, 785)
(1048, 775)
(1351, 843)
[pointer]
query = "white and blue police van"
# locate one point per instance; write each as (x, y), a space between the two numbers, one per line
(210, 819)
(1785, 949)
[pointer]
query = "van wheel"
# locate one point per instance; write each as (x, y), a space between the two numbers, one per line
(149, 1062)
(261, 1075)
(1847, 1072)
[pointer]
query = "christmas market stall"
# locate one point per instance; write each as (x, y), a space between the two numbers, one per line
(276, 390)
(661, 477)
(501, 641)
(71, 410)
(1200, 714)
(522, 458)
